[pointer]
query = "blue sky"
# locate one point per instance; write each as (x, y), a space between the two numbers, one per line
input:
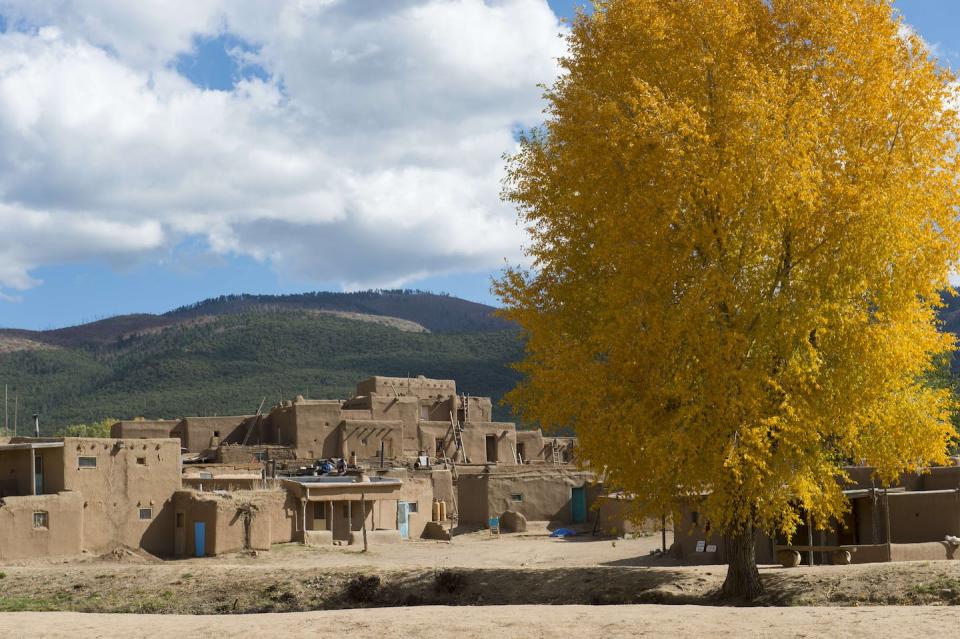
(149, 164)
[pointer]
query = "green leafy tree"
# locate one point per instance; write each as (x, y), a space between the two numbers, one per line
(93, 429)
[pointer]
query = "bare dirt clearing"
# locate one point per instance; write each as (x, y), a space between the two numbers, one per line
(473, 570)
(427, 622)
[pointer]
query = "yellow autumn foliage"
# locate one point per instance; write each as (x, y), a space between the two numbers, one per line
(741, 216)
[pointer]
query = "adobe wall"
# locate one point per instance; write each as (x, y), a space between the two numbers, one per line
(437, 409)
(617, 518)
(689, 530)
(472, 499)
(63, 537)
(363, 437)
(474, 441)
(144, 429)
(197, 433)
(401, 409)
(532, 443)
(916, 517)
(116, 489)
(224, 519)
(546, 494)
(420, 487)
(282, 426)
(53, 471)
(427, 435)
(315, 429)
(418, 386)
(942, 478)
(479, 409)
(18, 476)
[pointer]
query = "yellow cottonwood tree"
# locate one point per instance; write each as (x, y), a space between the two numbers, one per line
(741, 216)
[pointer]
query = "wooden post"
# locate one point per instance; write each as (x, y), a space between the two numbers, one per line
(363, 504)
(663, 533)
(33, 471)
(886, 523)
(303, 517)
(381, 453)
(809, 538)
(330, 518)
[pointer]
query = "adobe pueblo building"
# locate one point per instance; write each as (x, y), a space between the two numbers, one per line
(403, 459)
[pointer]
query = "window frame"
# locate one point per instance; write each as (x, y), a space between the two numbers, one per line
(44, 517)
(81, 465)
(147, 509)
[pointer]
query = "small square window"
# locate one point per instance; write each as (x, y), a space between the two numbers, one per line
(413, 507)
(146, 513)
(142, 461)
(261, 456)
(41, 519)
(516, 497)
(87, 462)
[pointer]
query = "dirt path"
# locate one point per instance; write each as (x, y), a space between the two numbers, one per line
(427, 622)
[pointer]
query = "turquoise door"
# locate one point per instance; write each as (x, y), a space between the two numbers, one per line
(578, 505)
(199, 539)
(403, 519)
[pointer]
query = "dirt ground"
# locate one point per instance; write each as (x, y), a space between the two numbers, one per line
(473, 570)
(427, 622)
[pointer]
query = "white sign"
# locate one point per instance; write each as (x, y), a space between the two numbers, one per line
(712, 548)
(700, 545)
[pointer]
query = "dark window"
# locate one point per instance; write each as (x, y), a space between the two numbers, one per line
(319, 512)
(142, 461)
(440, 448)
(87, 462)
(41, 519)
(146, 513)
(413, 507)
(694, 517)
(521, 453)
(216, 433)
(516, 497)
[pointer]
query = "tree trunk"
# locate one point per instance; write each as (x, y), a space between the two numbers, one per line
(743, 578)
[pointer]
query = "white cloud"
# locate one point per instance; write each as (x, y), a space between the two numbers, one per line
(371, 156)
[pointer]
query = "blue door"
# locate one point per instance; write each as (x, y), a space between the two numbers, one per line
(199, 539)
(578, 505)
(403, 519)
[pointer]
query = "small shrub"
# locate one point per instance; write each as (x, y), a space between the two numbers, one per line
(364, 588)
(449, 581)
(3, 575)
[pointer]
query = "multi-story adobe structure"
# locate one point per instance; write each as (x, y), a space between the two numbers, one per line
(207, 485)
(64, 496)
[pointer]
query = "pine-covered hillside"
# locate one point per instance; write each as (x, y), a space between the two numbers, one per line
(226, 362)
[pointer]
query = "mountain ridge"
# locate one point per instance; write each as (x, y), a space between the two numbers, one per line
(435, 312)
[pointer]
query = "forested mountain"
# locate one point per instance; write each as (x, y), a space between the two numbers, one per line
(223, 356)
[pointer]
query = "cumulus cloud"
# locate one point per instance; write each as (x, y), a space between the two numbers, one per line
(369, 152)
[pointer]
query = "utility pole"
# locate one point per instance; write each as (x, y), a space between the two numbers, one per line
(6, 420)
(16, 406)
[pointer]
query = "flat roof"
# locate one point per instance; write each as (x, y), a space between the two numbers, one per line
(340, 480)
(30, 445)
